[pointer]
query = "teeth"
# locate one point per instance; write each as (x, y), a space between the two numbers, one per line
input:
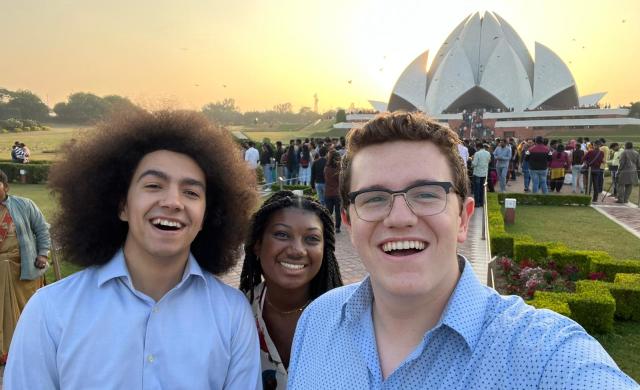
(397, 245)
(291, 266)
(165, 222)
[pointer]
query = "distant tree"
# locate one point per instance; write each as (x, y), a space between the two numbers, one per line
(634, 110)
(223, 112)
(341, 116)
(22, 104)
(283, 108)
(82, 107)
(118, 104)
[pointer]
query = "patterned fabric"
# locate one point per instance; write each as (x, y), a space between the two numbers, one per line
(482, 341)
(274, 374)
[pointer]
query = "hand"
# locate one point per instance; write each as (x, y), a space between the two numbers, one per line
(41, 262)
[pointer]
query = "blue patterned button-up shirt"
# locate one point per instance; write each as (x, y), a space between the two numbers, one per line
(482, 341)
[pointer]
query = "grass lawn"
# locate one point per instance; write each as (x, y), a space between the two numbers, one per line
(623, 346)
(577, 227)
(43, 144)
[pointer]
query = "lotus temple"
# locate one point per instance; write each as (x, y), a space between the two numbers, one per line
(484, 82)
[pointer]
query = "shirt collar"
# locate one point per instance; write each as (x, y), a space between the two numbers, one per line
(464, 313)
(117, 267)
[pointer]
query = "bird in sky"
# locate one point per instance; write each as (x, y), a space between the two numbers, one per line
(349, 81)
(224, 85)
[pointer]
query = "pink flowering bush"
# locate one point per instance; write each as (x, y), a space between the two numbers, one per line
(527, 277)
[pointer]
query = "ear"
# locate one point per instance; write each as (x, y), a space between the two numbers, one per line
(123, 213)
(346, 220)
(466, 213)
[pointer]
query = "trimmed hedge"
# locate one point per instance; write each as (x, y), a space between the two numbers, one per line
(546, 200)
(611, 267)
(626, 291)
(35, 172)
(593, 306)
(565, 258)
(527, 250)
(557, 302)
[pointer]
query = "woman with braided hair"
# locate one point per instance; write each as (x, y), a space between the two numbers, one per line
(291, 246)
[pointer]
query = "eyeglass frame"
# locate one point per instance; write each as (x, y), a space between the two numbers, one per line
(447, 186)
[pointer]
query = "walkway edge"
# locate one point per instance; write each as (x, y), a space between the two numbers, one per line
(620, 223)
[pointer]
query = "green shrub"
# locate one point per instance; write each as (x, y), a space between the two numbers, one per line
(557, 302)
(526, 250)
(592, 306)
(611, 267)
(502, 244)
(579, 259)
(627, 278)
(35, 173)
(626, 291)
(546, 200)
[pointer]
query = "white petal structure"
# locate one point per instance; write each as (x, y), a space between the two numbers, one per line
(484, 63)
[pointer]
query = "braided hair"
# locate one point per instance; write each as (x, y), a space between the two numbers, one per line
(328, 276)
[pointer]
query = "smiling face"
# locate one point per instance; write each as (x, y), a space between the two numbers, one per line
(164, 208)
(291, 248)
(407, 255)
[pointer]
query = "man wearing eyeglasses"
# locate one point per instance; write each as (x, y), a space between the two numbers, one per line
(421, 319)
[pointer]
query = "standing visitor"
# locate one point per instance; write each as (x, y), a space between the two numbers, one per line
(628, 172)
(614, 163)
(305, 165)
(154, 220)
(331, 189)
(502, 155)
(593, 160)
(559, 165)
(538, 157)
(317, 174)
(252, 156)
(266, 160)
(525, 163)
(24, 251)
(577, 183)
(480, 164)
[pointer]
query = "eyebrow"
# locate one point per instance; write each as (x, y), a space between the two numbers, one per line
(289, 226)
(161, 175)
(377, 187)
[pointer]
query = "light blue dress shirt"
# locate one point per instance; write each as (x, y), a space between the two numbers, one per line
(502, 155)
(480, 163)
(93, 330)
(482, 341)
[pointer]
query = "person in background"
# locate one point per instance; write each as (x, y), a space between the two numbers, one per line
(266, 160)
(317, 174)
(577, 183)
(14, 156)
(163, 207)
(502, 155)
(628, 171)
(252, 156)
(480, 164)
(24, 253)
(525, 145)
(559, 165)
(593, 160)
(614, 163)
(293, 163)
(288, 263)
(332, 182)
(538, 157)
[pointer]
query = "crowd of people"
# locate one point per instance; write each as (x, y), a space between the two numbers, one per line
(162, 211)
(547, 165)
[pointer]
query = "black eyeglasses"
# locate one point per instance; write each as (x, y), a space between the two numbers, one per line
(424, 198)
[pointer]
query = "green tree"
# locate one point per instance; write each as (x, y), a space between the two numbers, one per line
(634, 110)
(22, 104)
(82, 107)
(223, 112)
(341, 116)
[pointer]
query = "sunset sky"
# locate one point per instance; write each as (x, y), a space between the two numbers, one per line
(164, 53)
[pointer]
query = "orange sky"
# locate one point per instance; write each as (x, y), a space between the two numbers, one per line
(167, 53)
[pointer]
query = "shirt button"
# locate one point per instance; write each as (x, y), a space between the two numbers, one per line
(150, 358)
(155, 309)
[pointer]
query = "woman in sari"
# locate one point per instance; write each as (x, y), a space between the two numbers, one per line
(24, 250)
